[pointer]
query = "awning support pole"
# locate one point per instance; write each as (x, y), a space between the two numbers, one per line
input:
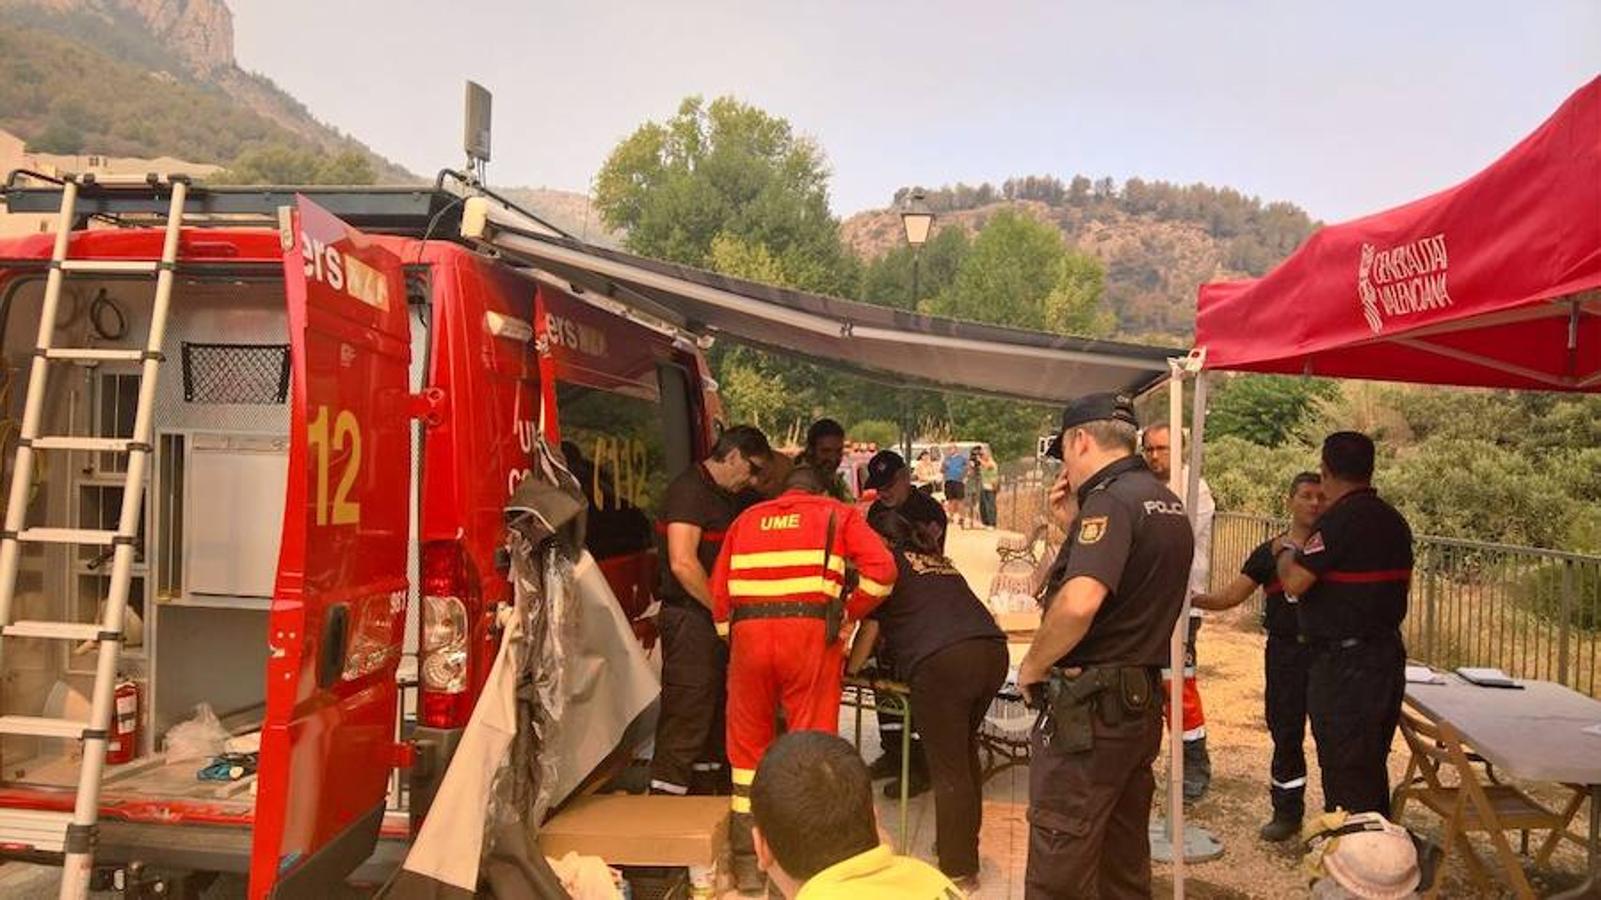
(1175, 665)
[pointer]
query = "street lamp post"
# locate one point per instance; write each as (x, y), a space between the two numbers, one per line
(916, 219)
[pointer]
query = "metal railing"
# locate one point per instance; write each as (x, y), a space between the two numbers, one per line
(1020, 499)
(1532, 613)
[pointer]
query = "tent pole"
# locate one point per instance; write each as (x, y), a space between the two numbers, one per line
(1192, 490)
(1175, 733)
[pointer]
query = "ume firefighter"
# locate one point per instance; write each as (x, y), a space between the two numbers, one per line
(777, 595)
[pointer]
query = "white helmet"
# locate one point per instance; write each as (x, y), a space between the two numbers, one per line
(1366, 854)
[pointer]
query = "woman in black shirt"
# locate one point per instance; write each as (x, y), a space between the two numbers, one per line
(948, 648)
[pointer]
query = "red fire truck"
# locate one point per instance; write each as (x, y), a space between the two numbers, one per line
(345, 399)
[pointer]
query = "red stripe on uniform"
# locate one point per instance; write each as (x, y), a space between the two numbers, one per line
(1376, 577)
(1273, 587)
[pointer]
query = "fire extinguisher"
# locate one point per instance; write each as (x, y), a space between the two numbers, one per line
(124, 743)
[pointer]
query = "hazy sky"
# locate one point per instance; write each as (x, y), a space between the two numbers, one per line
(1342, 107)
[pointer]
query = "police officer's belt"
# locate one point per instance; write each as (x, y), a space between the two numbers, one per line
(1344, 643)
(791, 610)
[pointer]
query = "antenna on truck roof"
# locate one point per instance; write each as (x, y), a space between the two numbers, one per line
(475, 139)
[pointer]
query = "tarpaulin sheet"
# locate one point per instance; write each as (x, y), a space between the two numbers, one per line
(1495, 282)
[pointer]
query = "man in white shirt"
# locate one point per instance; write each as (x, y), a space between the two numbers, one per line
(1156, 445)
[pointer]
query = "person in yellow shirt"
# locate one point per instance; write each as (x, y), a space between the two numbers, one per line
(816, 834)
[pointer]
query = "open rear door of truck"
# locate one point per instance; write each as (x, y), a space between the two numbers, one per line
(338, 609)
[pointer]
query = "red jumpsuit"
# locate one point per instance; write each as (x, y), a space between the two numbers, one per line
(772, 568)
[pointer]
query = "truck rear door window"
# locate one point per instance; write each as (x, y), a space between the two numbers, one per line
(624, 450)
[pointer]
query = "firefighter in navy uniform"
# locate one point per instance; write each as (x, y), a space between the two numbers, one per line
(700, 505)
(1286, 659)
(779, 597)
(1352, 577)
(1114, 594)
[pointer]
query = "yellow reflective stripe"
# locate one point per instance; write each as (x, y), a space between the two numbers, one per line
(783, 559)
(722, 629)
(872, 588)
(780, 587)
(744, 776)
(739, 804)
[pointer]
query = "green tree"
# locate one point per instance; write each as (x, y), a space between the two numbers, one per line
(1014, 264)
(1074, 304)
(725, 168)
(59, 136)
(887, 280)
(288, 164)
(1010, 428)
(1264, 409)
(884, 433)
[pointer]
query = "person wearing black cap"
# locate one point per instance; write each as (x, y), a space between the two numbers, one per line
(1113, 596)
(1352, 575)
(888, 475)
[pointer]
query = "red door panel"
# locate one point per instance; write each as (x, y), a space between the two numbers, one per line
(338, 610)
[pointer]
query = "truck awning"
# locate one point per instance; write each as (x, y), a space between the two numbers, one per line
(877, 342)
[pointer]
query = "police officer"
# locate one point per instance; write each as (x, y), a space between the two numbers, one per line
(1286, 659)
(1114, 594)
(1352, 575)
(777, 597)
(699, 506)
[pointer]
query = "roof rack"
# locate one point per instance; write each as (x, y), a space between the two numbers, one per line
(414, 211)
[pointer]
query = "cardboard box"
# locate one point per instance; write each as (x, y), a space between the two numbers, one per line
(640, 830)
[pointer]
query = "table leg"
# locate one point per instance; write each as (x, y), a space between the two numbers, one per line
(906, 770)
(1592, 883)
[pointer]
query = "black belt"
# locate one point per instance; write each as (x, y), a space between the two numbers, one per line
(1343, 643)
(791, 610)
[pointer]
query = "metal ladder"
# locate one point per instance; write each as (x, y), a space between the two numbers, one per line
(74, 834)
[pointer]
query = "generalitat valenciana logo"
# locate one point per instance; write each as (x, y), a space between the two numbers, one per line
(1403, 280)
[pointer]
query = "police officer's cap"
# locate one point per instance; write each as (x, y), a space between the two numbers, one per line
(881, 469)
(1093, 408)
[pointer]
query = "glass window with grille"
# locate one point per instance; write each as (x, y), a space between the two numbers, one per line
(625, 449)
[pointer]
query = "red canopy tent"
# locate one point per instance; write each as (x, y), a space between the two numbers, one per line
(1495, 282)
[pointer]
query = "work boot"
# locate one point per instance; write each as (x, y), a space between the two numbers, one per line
(1281, 827)
(919, 783)
(1197, 770)
(886, 766)
(749, 879)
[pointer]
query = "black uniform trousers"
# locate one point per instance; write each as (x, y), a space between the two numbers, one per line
(690, 727)
(951, 691)
(1354, 696)
(1287, 664)
(1089, 813)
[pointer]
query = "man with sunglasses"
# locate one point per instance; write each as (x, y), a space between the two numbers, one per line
(700, 505)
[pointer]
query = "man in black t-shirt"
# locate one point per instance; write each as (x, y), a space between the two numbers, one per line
(1287, 660)
(1352, 575)
(888, 475)
(1114, 594)
(700, 505)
